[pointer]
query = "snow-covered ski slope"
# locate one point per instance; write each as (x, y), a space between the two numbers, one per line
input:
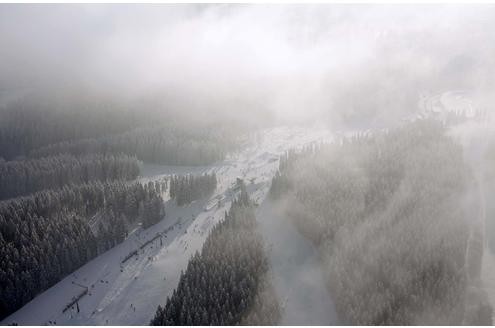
(128, 293)
(296, 271)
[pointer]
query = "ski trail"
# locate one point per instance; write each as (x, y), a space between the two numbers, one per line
(297, 275)
(473, 136)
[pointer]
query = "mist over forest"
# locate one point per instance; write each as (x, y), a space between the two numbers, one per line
(247, 164)
(264, 61)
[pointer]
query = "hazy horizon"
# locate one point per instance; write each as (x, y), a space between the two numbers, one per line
(286, 62)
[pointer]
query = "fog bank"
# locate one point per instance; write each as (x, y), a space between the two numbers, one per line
(342, 63)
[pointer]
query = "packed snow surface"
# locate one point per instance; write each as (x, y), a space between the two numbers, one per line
(296, 272)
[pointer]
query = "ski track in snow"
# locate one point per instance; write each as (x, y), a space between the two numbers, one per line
(296, 272)
(129, 293)
(473, 135)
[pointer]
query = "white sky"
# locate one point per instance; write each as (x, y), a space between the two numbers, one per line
(287, 61)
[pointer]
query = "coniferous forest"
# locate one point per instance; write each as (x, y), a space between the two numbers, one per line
(185, 189)
(67, 192)
(388, 213)
(227, 283)
(22, 177)
(29, 130)
(45, 236)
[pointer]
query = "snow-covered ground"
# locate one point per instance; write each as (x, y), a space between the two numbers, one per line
(153, 171)
(453, 102)
(474, 135)
(129, 293)
(296, 272)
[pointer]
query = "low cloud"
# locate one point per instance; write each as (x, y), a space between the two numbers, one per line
(340, 63)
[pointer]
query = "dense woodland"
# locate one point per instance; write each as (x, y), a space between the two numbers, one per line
(28, 130)
(45, 236)
(161, 145)
(187, 188)
(65, 183)
(28, 124)
(389, 213)
(227, 283)
(24, 177)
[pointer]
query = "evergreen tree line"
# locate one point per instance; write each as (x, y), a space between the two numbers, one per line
(160, 145)
(93, 125)
(47, 235)
(29, 124)
(224, 284)
(23, 177)
(187, 188)
(389, 215)
(42, 128)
